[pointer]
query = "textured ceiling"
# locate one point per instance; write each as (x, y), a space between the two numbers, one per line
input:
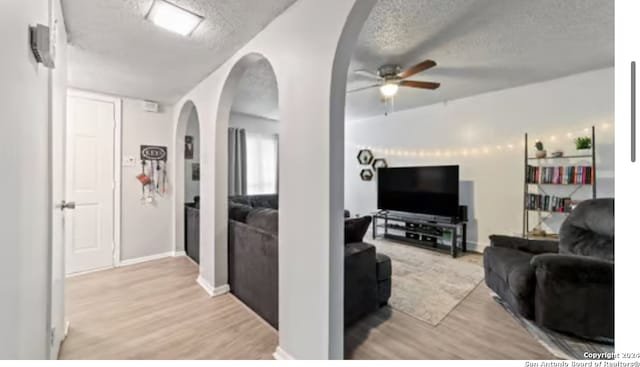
(257, 92)
(479, 45)
(115, 50)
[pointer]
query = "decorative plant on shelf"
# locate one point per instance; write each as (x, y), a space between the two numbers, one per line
(583, 142)
(540, 152)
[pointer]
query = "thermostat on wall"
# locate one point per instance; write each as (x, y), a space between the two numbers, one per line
(150, 106)
(42, 43)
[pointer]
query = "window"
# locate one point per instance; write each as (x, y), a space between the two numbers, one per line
(262, 164)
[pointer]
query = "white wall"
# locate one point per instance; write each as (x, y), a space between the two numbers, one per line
(191, 187)
(254, 124)
(492, 182)
(146, 229)
(25, 186)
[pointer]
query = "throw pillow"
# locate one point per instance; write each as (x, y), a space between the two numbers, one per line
(355, 229)
(239, 212)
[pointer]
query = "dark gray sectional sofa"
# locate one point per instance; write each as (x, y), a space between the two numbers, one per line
(253, 261)
(564, 285)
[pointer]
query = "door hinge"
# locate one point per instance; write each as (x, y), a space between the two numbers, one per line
(52, 335)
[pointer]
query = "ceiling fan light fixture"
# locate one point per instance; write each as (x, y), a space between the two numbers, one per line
(389, 90)
(173, 18)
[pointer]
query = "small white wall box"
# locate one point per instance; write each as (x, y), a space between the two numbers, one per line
(150, 106)
(40, 39)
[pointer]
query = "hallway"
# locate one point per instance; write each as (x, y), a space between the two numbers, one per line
(155, 310)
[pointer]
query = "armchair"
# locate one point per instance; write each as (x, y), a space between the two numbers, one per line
(565, 285)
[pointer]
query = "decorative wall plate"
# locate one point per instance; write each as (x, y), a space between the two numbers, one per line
(366, 174)
(379, 163)
(365, 157)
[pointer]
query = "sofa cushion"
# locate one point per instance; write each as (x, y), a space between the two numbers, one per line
(589, 230)
(265, 219)
(265, 201)
(239, 212)
(257, 201)
(383, 266)
(509, 273)
(355, 229)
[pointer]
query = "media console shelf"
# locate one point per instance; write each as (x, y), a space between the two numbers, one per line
(424, 231)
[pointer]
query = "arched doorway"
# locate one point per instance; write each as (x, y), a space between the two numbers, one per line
(187, 185)
(246, 172)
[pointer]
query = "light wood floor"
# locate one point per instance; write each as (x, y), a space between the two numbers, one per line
(156, 310)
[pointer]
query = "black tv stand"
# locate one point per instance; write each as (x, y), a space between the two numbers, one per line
(422, 230)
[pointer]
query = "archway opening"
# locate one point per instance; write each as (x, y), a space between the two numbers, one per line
(187, 182)
(246, 166)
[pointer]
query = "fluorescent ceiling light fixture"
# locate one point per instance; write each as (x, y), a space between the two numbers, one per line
(389, 89)
(173, 18)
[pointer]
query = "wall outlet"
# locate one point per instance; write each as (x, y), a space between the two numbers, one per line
(129, 161)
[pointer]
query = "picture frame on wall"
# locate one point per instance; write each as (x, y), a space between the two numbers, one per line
(195, 171)
(188, 147)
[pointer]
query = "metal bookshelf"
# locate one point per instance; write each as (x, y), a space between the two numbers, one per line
(543, 188)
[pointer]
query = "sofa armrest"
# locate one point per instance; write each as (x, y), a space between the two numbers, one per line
(360, 281)
(574, 294)
(253, 269)
(523, 244)
(574, 269)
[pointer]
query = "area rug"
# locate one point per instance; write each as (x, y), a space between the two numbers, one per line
(425, 284)
(560, 345)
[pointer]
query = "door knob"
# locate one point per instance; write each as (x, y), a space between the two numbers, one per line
(66, 205)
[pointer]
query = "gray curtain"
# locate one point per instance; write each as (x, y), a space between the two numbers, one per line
(237, 161)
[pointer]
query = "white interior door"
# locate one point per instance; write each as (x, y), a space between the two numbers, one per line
(90, 183)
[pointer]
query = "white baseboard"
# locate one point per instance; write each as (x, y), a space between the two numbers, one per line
(133, 261)
(143, 259)
(89, 271)
(211, 290)
(281, 355)
(476, 246)
(223, 289)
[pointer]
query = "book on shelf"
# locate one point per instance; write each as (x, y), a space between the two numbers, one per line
(560, 175)
(549, 203)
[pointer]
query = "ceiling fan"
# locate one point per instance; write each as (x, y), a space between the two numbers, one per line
(390, 78)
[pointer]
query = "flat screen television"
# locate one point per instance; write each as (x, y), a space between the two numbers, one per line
(425, 190)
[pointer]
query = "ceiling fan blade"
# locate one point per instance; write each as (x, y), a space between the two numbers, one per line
(367, 73)
(363, 88)
(418, 84)
(415, 69)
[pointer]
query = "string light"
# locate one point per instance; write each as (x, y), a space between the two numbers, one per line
(473, 151)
